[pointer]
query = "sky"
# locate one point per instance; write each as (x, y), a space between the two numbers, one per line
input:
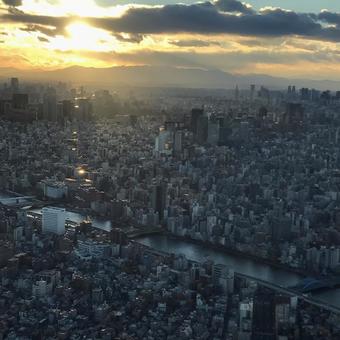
(286, 38)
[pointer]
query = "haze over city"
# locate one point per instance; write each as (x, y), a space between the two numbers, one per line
(290, 39)
(169, 170)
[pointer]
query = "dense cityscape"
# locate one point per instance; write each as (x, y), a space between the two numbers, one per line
(93, 182)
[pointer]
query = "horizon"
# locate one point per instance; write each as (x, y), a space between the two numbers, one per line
(296, 41)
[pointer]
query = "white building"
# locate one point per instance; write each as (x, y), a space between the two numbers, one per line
(54, 189)
(53, 220)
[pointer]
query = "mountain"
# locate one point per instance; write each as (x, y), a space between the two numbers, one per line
(156, 76)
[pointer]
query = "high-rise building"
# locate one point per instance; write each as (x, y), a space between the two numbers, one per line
(14, 85)
(159, 194)
(264, 325)
(53, 220)
(50, 105)
(237, 93)
(178, 142)
(195, 114)
(252, 92)
(213, 132)
(19, 101)
(202, 129)
(163, 142)
(294, 115)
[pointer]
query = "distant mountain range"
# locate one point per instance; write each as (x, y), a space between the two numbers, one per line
(154, 76)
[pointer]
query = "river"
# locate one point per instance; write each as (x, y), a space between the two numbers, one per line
(241, 265)
(199, 253)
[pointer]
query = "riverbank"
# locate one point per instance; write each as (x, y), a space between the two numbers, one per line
(235, 252)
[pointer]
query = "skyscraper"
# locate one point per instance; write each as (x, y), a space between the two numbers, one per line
(264, 315)
(195, 114)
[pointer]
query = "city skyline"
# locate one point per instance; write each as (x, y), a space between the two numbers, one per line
(298, 40)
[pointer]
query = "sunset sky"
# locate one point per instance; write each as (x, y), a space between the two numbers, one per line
(299, 38)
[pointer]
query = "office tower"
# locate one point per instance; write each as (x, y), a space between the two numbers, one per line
(224, 276)
(237, 93)
(19, 101)
(50, 105)
(305, 94)
(245, 321)
(252, 92)
(195, 114)
(294, 116)
(178, 142)
(163, 141)
(84, 109)
(213, 132)
(263, 327)
(68, 109)
(202, 130)
(14, 85)
(53, 220)
(159, 194)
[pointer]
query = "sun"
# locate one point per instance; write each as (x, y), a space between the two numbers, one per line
(83, 37)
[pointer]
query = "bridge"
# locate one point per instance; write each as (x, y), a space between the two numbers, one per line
(16, 200)
(278, 288)
(309, 285)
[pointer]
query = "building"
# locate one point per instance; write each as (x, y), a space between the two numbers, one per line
(53, 220)
(195, 114)
(263, 327)
(54, 189)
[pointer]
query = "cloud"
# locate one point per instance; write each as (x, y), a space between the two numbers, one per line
(233, 6)
(51, 32)
(13, 3)
(43, 39)
(204, 18)
(130, 38)
(194, 43)
(329, 17)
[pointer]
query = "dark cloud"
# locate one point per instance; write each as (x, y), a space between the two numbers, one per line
(202, 18)
(13, 3)
(131, 38)
(193, 43)
(51, 32)
(329, 17)
(43, 39)
(233, 6)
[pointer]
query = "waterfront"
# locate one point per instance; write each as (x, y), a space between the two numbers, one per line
(246, 266)
(197, 252)
(75, 217)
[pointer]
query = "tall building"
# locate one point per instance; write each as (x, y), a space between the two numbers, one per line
(252, 92)
(50, 105)
(294, 116)
(163, 142)
(213, 132)
(159, 194)
(14, 85)
(237, 93)
(178, 143)
(202, 130)
(19, 101)
(53, 220)
(264, 325)
(195, 114)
